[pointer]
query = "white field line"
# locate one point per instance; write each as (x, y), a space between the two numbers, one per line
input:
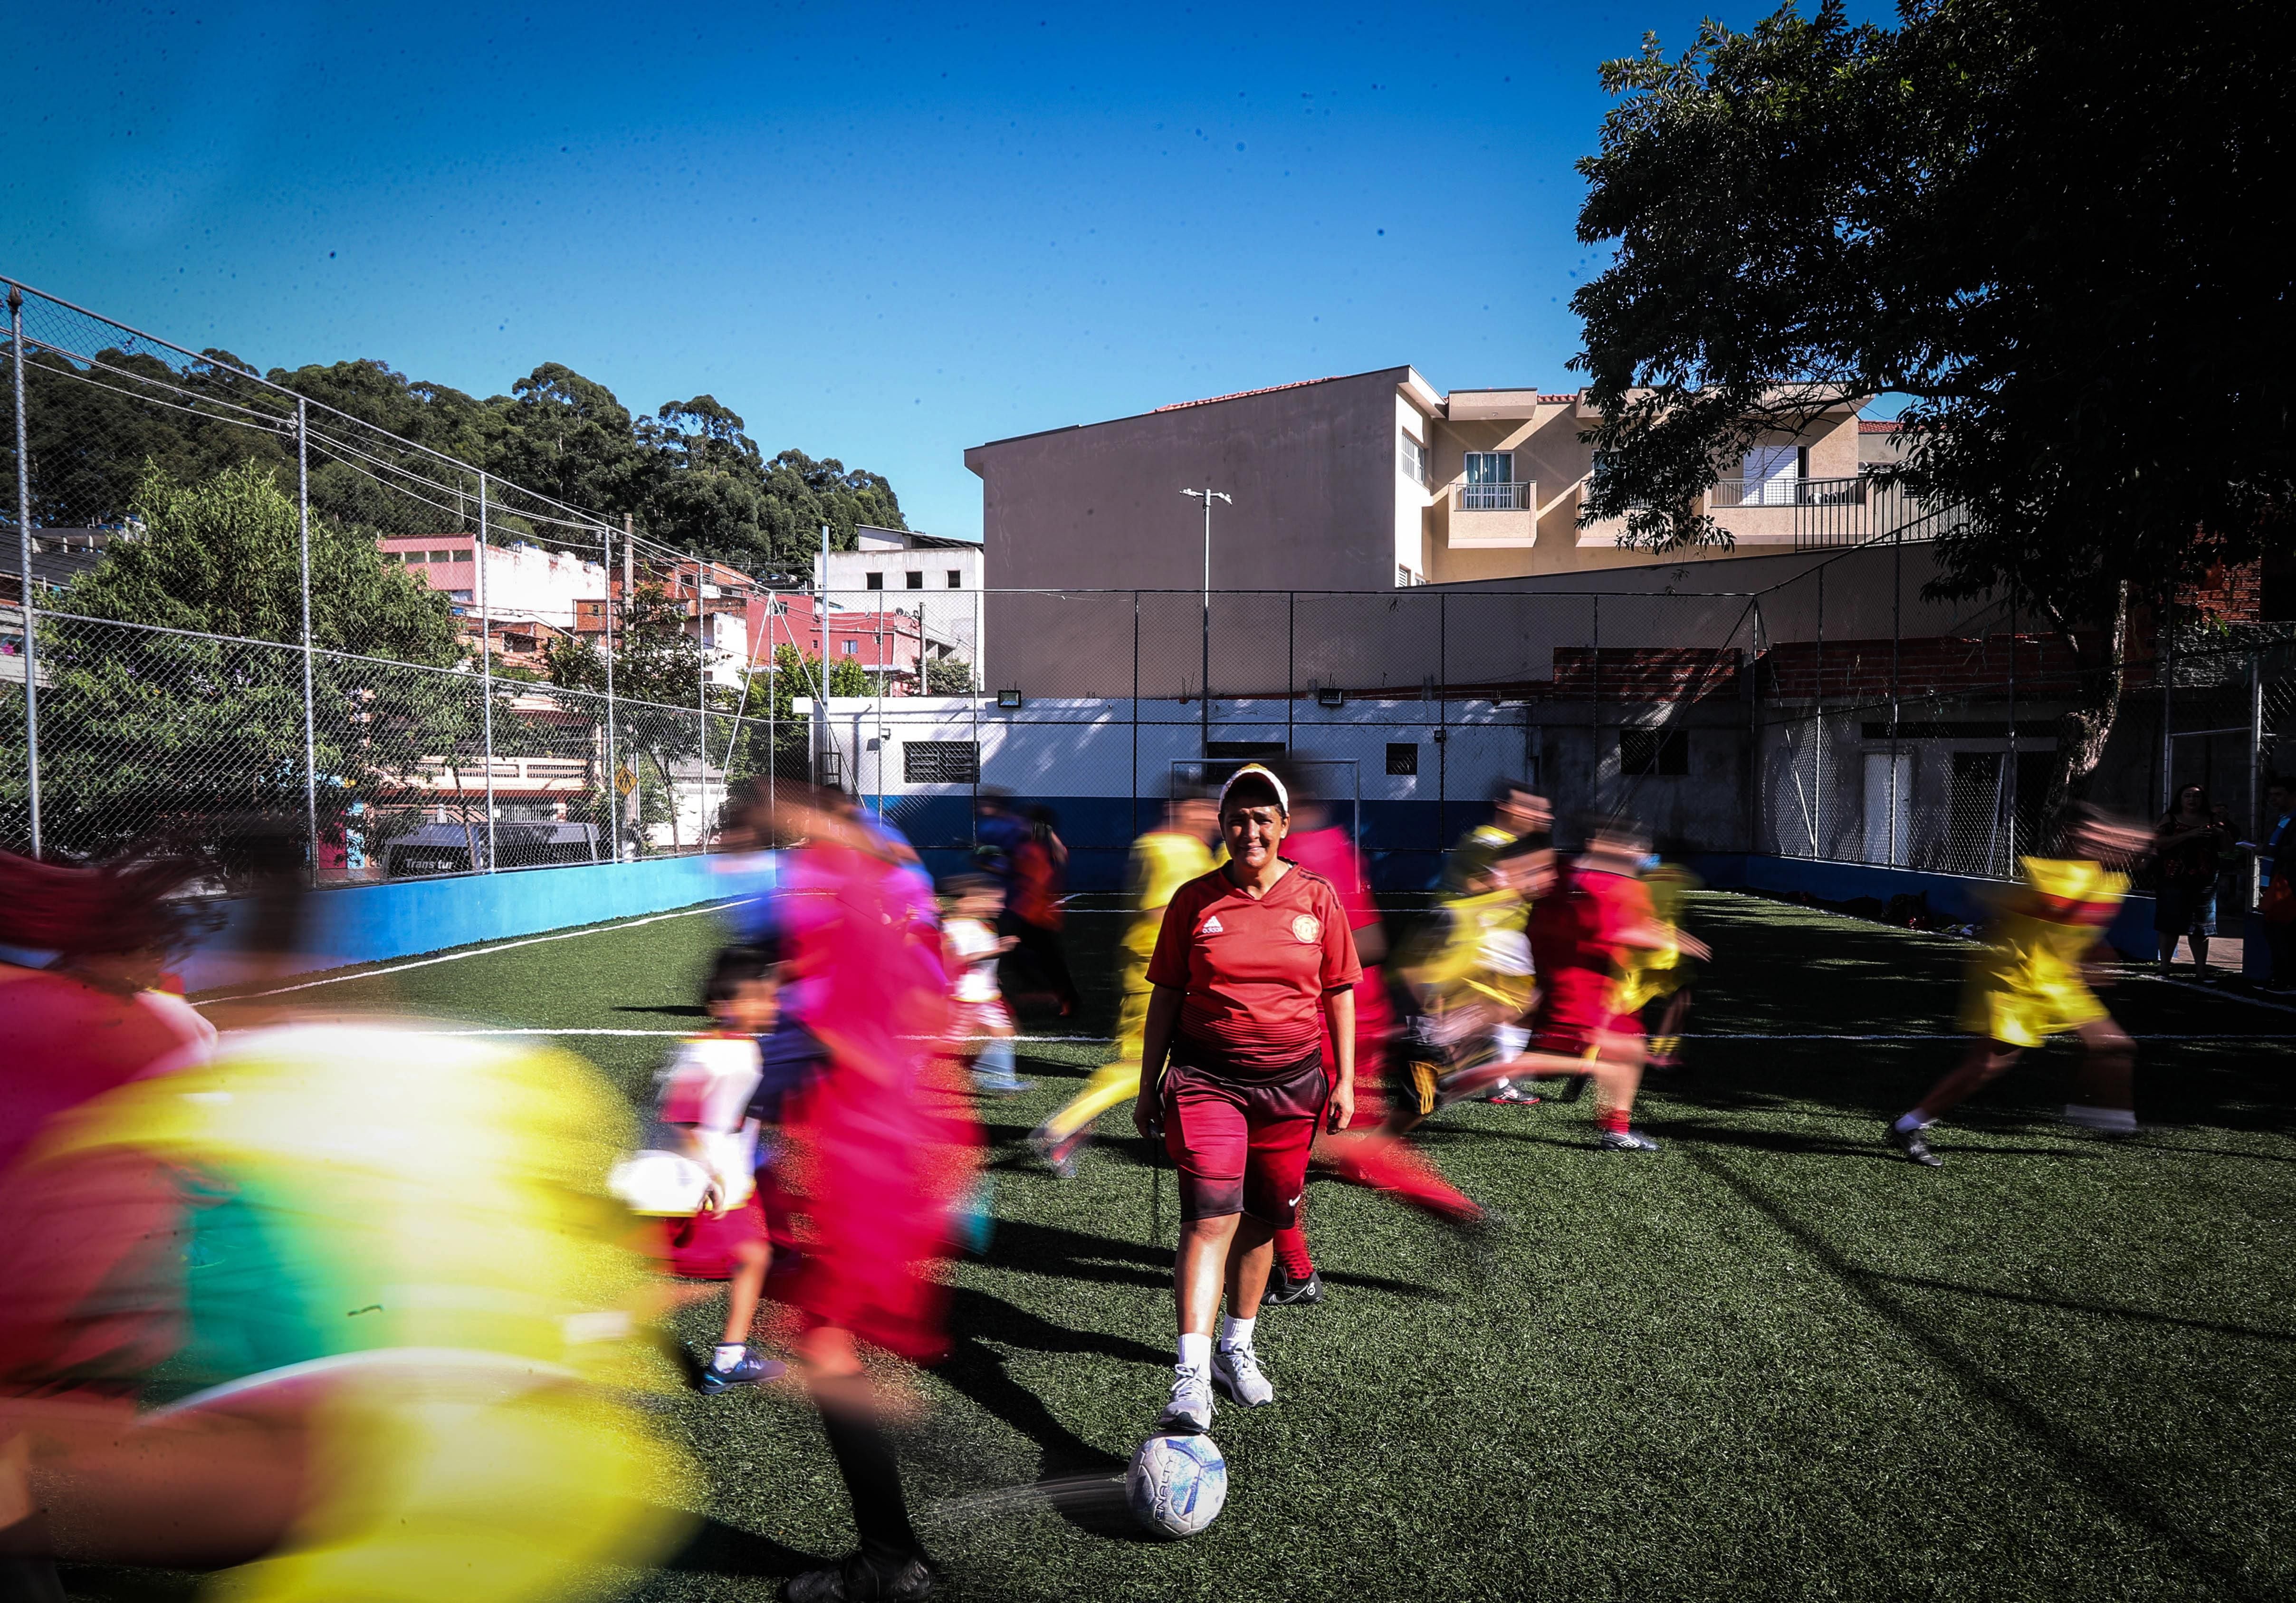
(476, 951)
(2220, 992)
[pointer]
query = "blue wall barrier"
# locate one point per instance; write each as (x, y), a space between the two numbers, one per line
(374, 923)
(1954, 896)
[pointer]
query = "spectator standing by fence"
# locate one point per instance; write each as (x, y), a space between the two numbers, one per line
(2191, 844)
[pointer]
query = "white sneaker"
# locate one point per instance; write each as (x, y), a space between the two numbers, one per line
(1190, 1411)
(1237, 1370)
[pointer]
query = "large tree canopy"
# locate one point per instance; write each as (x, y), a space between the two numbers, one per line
(2060, 228)
(688, 475)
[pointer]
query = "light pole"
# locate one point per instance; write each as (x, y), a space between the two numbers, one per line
(1208, 495)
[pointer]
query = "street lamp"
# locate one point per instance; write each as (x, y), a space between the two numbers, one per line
(1208, 495)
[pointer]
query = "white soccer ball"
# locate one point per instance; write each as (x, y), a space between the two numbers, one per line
(1177, 1484)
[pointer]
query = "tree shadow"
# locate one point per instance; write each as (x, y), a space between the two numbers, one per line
(1040, 1249)
(2097, 1475)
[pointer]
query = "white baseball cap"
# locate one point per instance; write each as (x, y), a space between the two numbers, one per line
(1282, 796)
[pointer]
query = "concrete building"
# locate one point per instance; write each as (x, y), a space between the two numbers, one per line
(936, 581)
(522, 581)
(1363, 482)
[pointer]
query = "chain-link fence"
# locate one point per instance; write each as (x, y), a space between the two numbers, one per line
(223, 596)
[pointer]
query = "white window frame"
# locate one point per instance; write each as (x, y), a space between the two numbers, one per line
(1414, 458)
(1490, 481)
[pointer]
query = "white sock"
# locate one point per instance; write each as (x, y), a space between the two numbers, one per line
(1236, 1333)
(1195, 1350)
(728, 1354)
(2119, 1119)
(1911, 1121)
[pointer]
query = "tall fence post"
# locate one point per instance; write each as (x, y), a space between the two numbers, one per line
(1897, 639)
(613, 759)
(24, 573)
(2255, 762)
(1817, 745)
(2164, 667)
(310, 719)
(487, 672)
(1134, 786)
(2016, 846)
(1442, 726)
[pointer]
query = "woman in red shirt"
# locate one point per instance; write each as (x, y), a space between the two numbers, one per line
(1254, 963)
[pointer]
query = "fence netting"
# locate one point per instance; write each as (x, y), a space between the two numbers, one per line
(479, 674)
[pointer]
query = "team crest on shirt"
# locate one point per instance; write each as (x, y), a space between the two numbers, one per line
(1211, 925)
(1308, 929)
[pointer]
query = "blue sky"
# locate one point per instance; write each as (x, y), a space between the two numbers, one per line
(880, 232)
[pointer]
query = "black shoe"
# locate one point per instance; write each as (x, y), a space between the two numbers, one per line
(1284, 1292)
(855, 1580)
(1573, 1087)
(1911, 1143)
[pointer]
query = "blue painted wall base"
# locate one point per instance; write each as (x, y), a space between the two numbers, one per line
(375, 923)
(1954, 896)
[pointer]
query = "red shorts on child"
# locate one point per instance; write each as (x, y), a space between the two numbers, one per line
(702, 1247)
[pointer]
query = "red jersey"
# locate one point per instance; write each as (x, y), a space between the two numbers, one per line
(1256, 971)
(1574, 944)
(64, 1041)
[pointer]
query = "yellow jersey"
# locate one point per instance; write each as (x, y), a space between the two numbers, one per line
(2027, 984)
(1162, 862)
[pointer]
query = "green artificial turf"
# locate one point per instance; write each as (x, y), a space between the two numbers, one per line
(1773, 1361)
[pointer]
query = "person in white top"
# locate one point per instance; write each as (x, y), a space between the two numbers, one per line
(702, 1125)
(981, 1027)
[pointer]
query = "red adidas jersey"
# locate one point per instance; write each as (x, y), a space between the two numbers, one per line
(1256, 971)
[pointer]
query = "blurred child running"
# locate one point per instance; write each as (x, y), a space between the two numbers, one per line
(981, 1027)
(2033, 980)
(1364, 1152)
(703, 1125)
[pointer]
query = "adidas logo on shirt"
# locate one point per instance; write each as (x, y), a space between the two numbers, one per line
(1211, 925)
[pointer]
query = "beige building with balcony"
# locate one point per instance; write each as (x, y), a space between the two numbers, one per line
(1371, 481)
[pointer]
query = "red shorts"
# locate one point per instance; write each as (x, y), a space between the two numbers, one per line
(701, 1248)
(1240, 1145)
(1575, 1039)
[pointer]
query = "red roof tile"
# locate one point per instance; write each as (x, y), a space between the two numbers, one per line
(1240, 394)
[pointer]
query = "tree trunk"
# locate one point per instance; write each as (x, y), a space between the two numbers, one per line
(2101, 658)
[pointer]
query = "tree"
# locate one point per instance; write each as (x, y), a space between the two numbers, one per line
(164, 730)
(2059, 229)
(948, 676)
(658, 693)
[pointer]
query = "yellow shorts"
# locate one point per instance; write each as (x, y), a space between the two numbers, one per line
(1132, 1014)
(2022, 1017)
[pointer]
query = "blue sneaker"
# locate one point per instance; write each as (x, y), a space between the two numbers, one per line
(748, 1370)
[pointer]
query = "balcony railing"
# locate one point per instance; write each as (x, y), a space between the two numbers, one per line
(1494, 498)
(1789, 492)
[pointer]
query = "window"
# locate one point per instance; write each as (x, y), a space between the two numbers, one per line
(1659, 752)
(442, 556)
(852, 648)
(1403, 757)
(955, 579)
(1405, 578)
(453, 556)
(1490, 482)
(916, 581)
(1773, 475)
(876, 581)
(1414, 460)
(392, 556)
(941, 762)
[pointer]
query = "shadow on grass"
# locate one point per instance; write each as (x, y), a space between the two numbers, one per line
(717, 1549)
(2099, 1477)
(666, 1010)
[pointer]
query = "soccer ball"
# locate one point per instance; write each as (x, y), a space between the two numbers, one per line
(1177, 1484)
